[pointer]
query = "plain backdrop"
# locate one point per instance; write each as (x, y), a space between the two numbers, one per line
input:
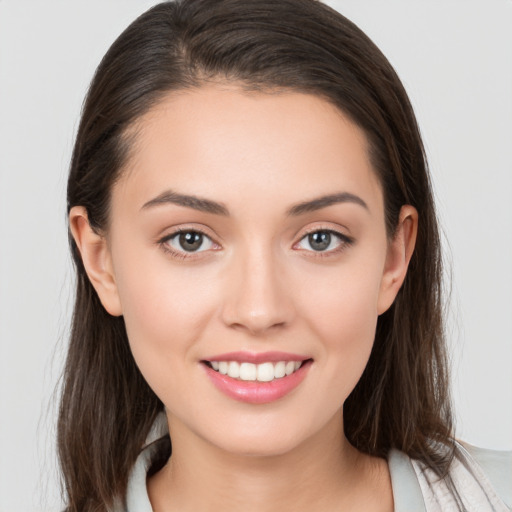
(455, 59)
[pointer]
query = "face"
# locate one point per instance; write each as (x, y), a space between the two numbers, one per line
(248, 254)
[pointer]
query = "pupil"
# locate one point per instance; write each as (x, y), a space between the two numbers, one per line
(191, 241)
(320, 240)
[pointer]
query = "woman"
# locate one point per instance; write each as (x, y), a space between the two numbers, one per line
(259, 273)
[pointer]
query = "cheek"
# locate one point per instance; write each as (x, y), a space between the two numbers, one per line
(341, 309)
(165, 310)
(347, 324)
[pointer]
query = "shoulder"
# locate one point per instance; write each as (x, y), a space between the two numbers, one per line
(478, 479)
(497, 466)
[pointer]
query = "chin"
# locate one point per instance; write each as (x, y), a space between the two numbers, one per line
(264, 438)
(259, 446)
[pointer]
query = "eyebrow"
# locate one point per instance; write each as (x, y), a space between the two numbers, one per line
(197, 203)
(324, 202)
(209, 206)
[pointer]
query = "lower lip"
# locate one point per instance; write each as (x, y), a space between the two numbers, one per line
(255, 392)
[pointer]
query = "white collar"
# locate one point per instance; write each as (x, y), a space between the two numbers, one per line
(415, 488)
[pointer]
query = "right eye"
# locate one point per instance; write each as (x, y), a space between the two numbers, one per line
(190, 241)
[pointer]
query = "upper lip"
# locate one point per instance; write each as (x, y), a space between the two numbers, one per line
(257, 357)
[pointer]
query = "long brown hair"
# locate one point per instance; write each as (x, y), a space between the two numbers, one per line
(402, 399)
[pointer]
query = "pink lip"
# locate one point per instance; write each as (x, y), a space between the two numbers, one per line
(257, 392)
(257, 358)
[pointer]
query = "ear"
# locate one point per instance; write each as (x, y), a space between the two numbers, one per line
(399, 254)
(96, 258)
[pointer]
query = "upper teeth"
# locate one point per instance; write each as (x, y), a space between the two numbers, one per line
(264, 372)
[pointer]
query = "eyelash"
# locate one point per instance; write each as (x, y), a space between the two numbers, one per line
(182, 255)
(344, 242)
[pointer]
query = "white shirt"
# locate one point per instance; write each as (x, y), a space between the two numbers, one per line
(483, 479)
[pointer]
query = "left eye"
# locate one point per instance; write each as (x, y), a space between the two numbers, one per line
(189, 241)
(322, 241)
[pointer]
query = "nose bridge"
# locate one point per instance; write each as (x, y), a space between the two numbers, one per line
(256, 298)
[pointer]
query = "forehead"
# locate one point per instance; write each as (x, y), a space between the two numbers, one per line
(220, 139)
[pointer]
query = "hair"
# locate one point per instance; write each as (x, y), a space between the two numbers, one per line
(402, 399)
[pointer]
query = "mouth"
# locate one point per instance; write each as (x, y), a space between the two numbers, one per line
(257, 379)
(251, 372)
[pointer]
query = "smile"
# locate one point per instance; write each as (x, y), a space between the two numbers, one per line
(257, 378)
(264, 372)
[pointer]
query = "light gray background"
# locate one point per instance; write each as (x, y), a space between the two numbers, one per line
(455, 59)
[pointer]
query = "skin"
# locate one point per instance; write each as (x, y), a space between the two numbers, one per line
(259, 285)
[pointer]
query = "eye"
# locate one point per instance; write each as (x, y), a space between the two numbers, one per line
(323, 241)
(188, 242)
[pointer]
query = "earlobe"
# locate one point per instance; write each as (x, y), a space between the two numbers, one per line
(96, 258)
(399, 254)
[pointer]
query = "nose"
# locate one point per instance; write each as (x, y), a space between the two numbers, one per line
(258, 297)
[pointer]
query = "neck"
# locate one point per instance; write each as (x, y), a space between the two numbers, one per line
(324, 473)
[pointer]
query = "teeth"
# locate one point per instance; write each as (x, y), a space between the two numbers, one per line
(234, 369)
(264, 372)
(247, 371)
(280, 370)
